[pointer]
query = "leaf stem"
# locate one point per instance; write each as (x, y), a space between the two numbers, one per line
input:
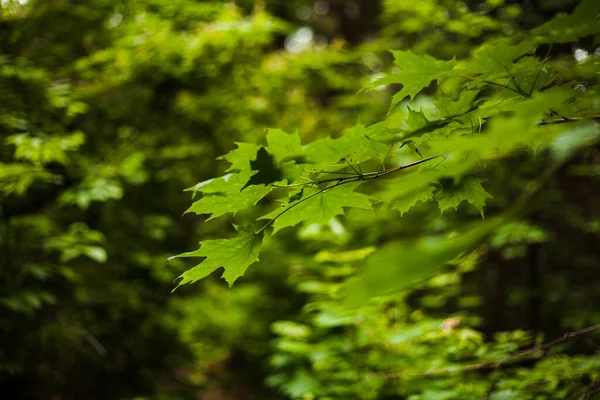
(514, 81)
(494, 84)
(382, 166)
(532, 88)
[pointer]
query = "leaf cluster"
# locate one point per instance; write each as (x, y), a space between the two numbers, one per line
(504, 99)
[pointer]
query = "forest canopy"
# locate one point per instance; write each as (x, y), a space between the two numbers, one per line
(381, 200)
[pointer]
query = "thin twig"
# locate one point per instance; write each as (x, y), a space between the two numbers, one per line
(540, 71)
(351, 166)
(91, 339)
(514, 81)
(492, 386)
(377, 174)
(373, 175)
(382, 165)
(587, 391)
(330, 172)
(369, 175)
(565, 120)
(592, 389)
(490, 364)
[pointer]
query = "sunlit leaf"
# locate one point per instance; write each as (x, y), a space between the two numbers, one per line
(240, 158)
(235, 255)
(231, 202)
(283, 146)
(354, 146)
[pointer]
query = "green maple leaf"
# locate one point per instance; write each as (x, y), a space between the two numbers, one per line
(503, 134)
(449, 108)
(537, 106)
(416, 119)
(283, 146)
(355, 145)
(563, 28)
(223, 184)
(318, 206)
(532, 74)
(227, 194)
(266, 170)
(399, 265)
(495, 56)
(232, 202)
(414, 180)
(235, 255)
(418, 71)
(323, 152)
(287, 153)
(405, 203)
(403, 125)
(240, 158)
(469, 189)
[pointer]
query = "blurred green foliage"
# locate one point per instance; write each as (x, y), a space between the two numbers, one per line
(109, 109)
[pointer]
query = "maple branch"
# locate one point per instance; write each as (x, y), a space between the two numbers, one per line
(354, 177)
(330, 172)
(373, 175)
(377, 174)
(359, 176)
(490, 364)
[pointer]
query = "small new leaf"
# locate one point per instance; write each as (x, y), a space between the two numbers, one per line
(232, 202)
(235, 255)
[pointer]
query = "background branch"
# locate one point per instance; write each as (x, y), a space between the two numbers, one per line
(492, 364)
